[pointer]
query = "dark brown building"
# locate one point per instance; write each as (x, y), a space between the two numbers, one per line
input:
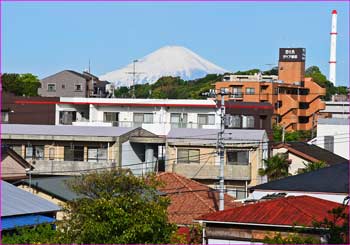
(16, 110)
(249, 115)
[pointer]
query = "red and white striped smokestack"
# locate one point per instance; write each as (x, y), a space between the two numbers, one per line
(333, 59)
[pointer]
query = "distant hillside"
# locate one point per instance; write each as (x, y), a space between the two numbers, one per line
(172, 88)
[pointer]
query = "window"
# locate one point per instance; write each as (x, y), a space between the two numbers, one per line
(250, 91)
(74, 153)
(35, 152)
(206, 119)
(110, 116)
(4, 117)
(329, 143)
(63, 86)
(188, 156)
(52, 154)
(248, 122)
(303, 105)
(78, 87)
(67, 117)
(178, 120)
(237, 92)
(278, 104)
(237, 157)
(303, 119)
(97, 154)
(51, 87)
(235, 121)
(140, 118)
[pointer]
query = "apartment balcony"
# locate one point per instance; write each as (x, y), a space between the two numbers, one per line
(68, 167)
(197, 171)
(236, 95)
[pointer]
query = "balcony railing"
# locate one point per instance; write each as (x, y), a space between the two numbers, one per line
(199, 171)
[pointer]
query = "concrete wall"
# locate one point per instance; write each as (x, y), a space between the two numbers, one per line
(209, 165)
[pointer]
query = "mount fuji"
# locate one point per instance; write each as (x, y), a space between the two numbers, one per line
(173, 61)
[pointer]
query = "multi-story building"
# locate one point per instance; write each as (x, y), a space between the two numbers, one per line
(296, 99)
(193, 154)
(336, 109)
(69, 83)
(66, 149)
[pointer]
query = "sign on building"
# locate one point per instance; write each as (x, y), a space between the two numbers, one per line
(292, 54)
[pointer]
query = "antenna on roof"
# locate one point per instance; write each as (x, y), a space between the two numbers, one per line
(89, 67)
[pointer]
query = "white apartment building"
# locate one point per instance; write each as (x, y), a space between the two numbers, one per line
(333, 135)
(336, 109)
(155, 115)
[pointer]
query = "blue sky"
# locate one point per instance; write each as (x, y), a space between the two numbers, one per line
(44, 38)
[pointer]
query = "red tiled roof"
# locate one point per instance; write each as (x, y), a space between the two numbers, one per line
(290, 211)
(190, 199)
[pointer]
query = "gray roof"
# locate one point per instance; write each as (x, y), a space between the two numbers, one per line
(333, 179)
(63, 130)
(230, 135)
(54, 186)
(15, 201)
(333, 121)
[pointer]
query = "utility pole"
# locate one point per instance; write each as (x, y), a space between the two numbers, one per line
(313, 126)
(220, 144)
(283, 133)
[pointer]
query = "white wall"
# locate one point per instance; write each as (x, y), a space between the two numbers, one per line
(341, 138)
(339, 198)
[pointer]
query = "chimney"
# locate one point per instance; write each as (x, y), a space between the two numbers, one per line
(332, 59)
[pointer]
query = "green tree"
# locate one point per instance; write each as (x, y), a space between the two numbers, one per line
(40, 234)
(20, 84)
(292, 238)
(315, 73)
(276, 167)
(248, 72)
(122, 92)
(312, 166)
(336, 229)
(118, 208)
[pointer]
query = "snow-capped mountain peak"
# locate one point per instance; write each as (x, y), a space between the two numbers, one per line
(166, 61)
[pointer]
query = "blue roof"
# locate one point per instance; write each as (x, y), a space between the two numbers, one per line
(15, 201)
(8, 223)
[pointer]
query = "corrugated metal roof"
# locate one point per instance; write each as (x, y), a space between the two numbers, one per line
(230, 135)
(63, 130)
(290, 211)
(55, 186)
(15, 201)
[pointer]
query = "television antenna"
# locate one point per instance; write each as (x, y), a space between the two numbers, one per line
(134, 73)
